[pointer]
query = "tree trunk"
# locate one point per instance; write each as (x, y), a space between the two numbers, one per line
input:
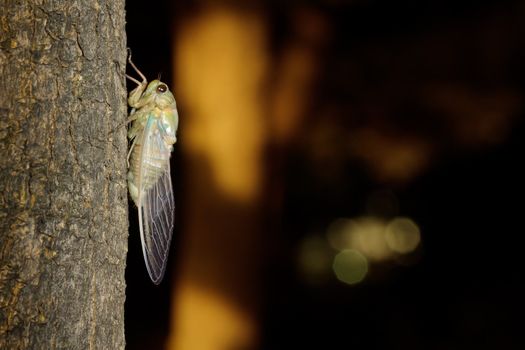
(63, 201)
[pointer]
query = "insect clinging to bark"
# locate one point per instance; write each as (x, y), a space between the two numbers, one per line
(152, 134)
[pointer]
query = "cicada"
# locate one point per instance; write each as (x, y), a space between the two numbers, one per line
(154, 120)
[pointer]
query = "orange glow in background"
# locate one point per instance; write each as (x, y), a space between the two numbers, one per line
(222, 66)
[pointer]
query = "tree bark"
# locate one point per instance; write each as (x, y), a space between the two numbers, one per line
(63, 201)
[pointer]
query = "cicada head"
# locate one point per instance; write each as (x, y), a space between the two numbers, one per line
(159, 93)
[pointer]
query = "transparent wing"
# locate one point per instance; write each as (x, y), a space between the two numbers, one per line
(156, 202)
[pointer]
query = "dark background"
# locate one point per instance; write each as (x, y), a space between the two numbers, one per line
(443, 77)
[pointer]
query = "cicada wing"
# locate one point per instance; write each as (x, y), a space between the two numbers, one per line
(156, 201)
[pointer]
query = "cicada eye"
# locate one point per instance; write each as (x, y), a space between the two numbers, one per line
(162, 88)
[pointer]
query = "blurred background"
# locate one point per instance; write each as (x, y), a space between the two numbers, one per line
(346, 175)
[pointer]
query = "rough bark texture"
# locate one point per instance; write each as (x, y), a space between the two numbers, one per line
(63, 201)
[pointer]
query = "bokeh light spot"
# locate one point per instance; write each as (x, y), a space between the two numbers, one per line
(402, 235)
(368, 236)
(350, 266)
(365, 234)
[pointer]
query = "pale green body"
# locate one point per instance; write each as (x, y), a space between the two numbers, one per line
(154, 116)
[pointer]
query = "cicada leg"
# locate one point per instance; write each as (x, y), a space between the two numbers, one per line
(136, 94)
(131, 149)
(142, 76)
